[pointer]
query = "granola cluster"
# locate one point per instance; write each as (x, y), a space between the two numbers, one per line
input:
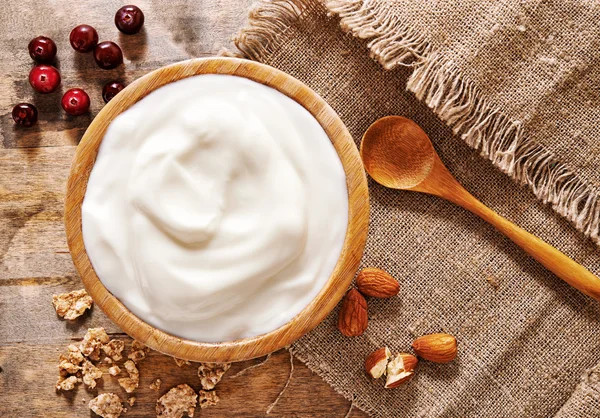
(107, 405)
(72, 305)
(132, 382)
(211, 373)
(92, 343)
(81, 364)
(207, 398)
(176, 402)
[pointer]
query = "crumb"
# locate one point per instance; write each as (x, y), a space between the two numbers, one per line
(75, 355)
(181, 362)
(114, 370)
(492, 280)
(93, 340)
(131, 400)
(155, 386)
(207, 398)
(107, 360)
(130, 383)
(66, 368)
(90, 374)
(138, 351)
(176, 402)
(67, 383)
(137, 355)
(136, 345)
(211, 373)
(114, 349)
(72, 305)
(107, 405)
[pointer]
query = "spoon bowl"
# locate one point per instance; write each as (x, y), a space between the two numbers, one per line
(398, 154)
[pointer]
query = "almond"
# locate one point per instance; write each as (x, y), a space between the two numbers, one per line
(376, 363)
(439, 348)
(353, 315)
(377, 283)
(400, 370)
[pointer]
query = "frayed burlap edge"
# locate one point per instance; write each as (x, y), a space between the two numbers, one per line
(458, 102)
(455, 99)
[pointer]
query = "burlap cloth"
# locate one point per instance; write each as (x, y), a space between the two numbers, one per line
(519, 81)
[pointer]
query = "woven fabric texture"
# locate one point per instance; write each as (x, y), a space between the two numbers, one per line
(528, 343)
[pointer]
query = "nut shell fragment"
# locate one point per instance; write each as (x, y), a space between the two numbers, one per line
(400, 370)
(376, 362)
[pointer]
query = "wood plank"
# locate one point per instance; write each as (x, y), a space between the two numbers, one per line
(29, 372)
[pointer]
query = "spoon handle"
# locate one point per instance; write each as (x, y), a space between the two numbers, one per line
(557, 262)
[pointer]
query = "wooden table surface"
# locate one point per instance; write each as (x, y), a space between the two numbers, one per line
(34, 258)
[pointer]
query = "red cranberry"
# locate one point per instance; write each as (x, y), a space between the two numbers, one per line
(111, 89)
(108, 55)
(83, 38)
(75, 102)
(24, 114)
(129, 19)
(44, 78)
(42, 49)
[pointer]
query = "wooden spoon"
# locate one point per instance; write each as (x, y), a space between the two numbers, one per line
(398, 154)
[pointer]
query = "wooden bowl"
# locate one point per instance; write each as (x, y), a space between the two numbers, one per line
(328, 297)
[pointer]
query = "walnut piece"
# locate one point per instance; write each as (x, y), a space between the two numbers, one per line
(107, 405)
(72, 305)
(207, 398)
(113, 349)
(90, 374)
(155, 386)
(211, 373)
(130, 383)
(131, 400)
(176, 402)
(93, 340)
(181, 362)
(67, 383)
(114, 370)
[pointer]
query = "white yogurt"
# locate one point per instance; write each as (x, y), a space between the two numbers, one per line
(216, 209)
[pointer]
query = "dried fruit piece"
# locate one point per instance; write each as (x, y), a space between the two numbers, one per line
(114, 370)
(376, 362)
(207, 398)
(439, 348)
(181, 362)
(377, 283)
(114, 349)
(211, 373)
(130, 383)
(353, 319)
(92, 341)
(73, 304)
(400, 370)
(176, 402)
(155, 386)
(67, 383)
(107, 405)
(90, 374)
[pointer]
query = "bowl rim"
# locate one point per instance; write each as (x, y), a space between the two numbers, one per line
(346, 266)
